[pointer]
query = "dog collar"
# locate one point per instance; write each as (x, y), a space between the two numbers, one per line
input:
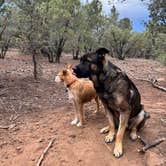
(68, 85)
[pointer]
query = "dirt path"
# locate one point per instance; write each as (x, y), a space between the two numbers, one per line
(36, 112)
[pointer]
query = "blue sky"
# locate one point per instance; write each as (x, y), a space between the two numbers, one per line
(133, 9)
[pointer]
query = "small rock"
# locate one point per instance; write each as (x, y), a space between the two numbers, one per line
(16, 129)
(41, 140)
(19, 149)
(51, 128)
(12, 126)
(4, 142)
(33, 158)
(6, 157)
(72, 135)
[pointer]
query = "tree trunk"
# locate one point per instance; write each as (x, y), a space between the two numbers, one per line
(34, 66)
(50, 58)
(58, 55)
(73, 53)
(59, 50)
(76, 54)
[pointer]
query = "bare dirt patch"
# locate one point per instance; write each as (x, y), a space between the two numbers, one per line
(35, 112)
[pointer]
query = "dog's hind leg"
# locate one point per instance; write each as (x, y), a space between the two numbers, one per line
(80, 110)
(137, 123)
(76, 120)
(97, 103)
(118, 149)
(134, 123)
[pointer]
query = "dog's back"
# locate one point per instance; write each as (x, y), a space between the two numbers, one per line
(81, 90)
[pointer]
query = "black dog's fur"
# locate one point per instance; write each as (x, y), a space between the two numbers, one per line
(118, 93)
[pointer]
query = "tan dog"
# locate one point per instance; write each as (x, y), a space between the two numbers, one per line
(80, 91)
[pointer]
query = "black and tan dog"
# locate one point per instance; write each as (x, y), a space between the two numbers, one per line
(118, 93)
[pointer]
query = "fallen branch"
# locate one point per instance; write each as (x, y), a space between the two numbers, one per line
(4, 127)
(44, 152)
(153, 83)
(15, 117)
(163, 120)
(8, 127)
(2, 94)
(149, 145)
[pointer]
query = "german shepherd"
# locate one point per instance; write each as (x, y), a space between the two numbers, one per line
(80, 91)
(118, 94)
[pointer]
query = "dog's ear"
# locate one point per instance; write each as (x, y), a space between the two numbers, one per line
(68, 66)
(102, 51)
(64, 72)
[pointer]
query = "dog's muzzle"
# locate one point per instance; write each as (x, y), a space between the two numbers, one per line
(57, 79)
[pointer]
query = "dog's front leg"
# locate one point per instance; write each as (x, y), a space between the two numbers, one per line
(110, 128)
(75, 121)
(80, 110)
(123, 121)
(110, 137)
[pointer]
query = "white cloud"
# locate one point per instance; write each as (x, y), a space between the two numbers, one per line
(133, 9)
(129, 8)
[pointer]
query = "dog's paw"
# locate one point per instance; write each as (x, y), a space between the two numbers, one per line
(133, 136)
(74, 122)
(104, 130)
(118, 151)
(109, 138)
(79, 124)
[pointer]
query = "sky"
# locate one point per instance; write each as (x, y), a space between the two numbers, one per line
(133, 9)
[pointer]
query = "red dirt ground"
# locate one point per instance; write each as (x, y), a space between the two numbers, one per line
(35, 112)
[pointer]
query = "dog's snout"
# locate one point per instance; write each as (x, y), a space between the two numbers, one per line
(57, 79)
(74, 69)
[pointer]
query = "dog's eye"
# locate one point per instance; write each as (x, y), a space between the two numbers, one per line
(64, 72)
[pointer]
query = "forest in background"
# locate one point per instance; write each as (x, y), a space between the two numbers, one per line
(55, 26)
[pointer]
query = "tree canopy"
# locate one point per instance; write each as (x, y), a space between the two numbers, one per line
(71, 26)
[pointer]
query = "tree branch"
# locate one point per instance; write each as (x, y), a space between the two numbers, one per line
(149, 145)
(152, 81)
(44, 152)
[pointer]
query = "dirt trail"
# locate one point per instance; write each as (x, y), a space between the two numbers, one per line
(36, 112)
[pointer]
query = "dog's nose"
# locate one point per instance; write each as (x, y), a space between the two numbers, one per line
(74, 69)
